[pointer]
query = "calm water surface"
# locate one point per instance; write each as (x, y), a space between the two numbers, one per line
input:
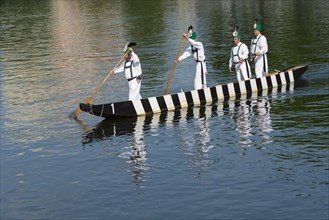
(264, 157)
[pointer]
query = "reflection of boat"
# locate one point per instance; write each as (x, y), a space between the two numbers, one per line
(118, 126)
(108, 128)
(195, 97)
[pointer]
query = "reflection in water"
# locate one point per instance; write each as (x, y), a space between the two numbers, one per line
(196, 139)
(241, 116)
(204, 134)
(199, 137)
(189, 130)
(138, 152)
(263, 120)
(252, 118)
(191, 135)
(133, 129)
(193, 142)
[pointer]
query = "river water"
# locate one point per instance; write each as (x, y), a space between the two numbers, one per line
(263, 157)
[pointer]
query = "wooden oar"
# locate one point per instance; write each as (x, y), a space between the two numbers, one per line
(280, 71)
(173, 68)
(89, 98)
(270, 74)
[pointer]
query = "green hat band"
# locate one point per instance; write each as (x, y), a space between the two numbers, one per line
(237, 34)
(258, 27)
(192, 36)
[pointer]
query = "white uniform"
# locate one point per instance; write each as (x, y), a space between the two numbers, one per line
(259, 44)
(196, 49)
(133, 73)
(242, 69)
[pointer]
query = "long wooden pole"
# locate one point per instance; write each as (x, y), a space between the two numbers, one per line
(173, 68)
(89, 98)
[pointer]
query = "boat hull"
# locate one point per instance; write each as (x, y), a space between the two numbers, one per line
(195, 97)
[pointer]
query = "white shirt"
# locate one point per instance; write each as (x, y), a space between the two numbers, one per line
(238, 51)
(258, 44)
(132, 68)
(198, 56)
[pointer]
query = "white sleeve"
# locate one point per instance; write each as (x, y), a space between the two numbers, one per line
(263, 45)
(195, 44)
(120, 68)
(244, 52)
(135, 58)
(187, 53)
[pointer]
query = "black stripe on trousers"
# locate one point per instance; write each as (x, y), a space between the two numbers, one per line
(248, 71)
(202, 74)
(264, 66)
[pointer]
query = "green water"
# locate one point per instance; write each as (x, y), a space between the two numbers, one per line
(261, 158)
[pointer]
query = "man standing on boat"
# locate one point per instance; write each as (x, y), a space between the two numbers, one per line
(258, 50)
(133, 71)
(239, 57)
(196, 49)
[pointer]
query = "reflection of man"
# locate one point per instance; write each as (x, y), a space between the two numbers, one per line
(241, 116)
(263, 119)
(138, 151)
(204, 129)
(194, 141)
(137, 146)
(246, 125)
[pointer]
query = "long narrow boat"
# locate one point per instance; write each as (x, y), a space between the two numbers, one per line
(195, 97)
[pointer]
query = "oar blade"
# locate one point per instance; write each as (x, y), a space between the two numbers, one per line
(78, 111)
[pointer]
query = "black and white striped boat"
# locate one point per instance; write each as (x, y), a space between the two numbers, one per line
(246, 113)
(195, 97)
